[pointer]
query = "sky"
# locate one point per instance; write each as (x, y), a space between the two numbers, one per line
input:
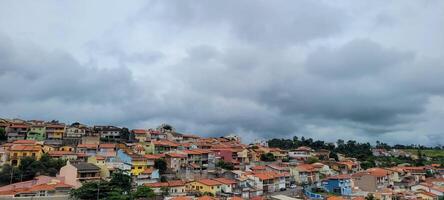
(329, 69)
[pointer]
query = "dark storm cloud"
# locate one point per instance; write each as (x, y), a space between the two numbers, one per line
(261, 69)
(278, 23)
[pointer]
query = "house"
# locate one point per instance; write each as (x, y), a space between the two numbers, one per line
(175, 187)
(16, 131)
(427, 195)
(24, 148)
(228, 185)
(141, 135)
(340, 185)
(108, 132)
(372, 179)
(189, 138)
(107, 150)
(176, 161)
(161, 146)
(149, 175)
(40, 186)
(55, 131)
(305, 173)
(205, 186)
(75, 131)
(88, 149)
(77, 173)
(37, 131)
(133, 163)
(302, 153)
(99, 161)
(267, 181)
(428, 187)
(157, 135)
(66, 155)
(200, 158)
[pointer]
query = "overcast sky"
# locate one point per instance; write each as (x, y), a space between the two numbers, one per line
(363, 70)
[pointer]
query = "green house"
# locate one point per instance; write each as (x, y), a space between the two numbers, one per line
(36, 132)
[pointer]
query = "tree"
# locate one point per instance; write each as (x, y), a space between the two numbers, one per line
(92, 190)
(225, 165)
(165, 191)
(312, 160)
(268, 157)
(370, 197)
(143, 192)
(121, 180)
(3, 136)
(161, 165)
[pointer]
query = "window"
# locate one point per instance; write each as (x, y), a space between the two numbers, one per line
(15, 154)
(139, 167)
(33, 154)
(25, 154)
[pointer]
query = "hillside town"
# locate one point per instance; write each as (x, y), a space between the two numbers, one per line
(164, 163)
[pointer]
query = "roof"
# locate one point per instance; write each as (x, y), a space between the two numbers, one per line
(267, 175)
(378, 172)
(225, 181)
(107, 146)
(24, 142)
(139, 131)
(206, 198)
(61, 153)
(304, 148)
(258, 167)
(25, 148)
(83, 166)
(175, 183)
(209, 182)
(181, 198)
(341, 176)
(176, 155)
(152, 156)
(88, 146)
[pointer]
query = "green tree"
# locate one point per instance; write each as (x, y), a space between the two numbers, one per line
(92, 190)
(225, 165)
(121, 180)
(165, 191)
(143, 192)
(3, 136)
(370, 197)
(161, 165)
(117, 194)
(268, 157)
(312, 160)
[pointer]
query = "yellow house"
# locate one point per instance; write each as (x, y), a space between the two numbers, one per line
(99, 161)
(67, 148)
(18, 151)
(138, 165)
(205, 185)
(55, 131)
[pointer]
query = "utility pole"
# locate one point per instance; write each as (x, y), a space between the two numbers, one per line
(98, 190)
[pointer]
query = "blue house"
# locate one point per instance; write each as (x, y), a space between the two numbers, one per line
(340, 184)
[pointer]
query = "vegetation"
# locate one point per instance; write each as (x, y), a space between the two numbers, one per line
(118, 188)
(225, 165)
(161, 165)
(312, 160)
(3, 136)
(362, 151)
(433, 153)
(30, 168)
(268, 157)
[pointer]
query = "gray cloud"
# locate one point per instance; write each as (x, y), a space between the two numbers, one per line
(260, 69)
